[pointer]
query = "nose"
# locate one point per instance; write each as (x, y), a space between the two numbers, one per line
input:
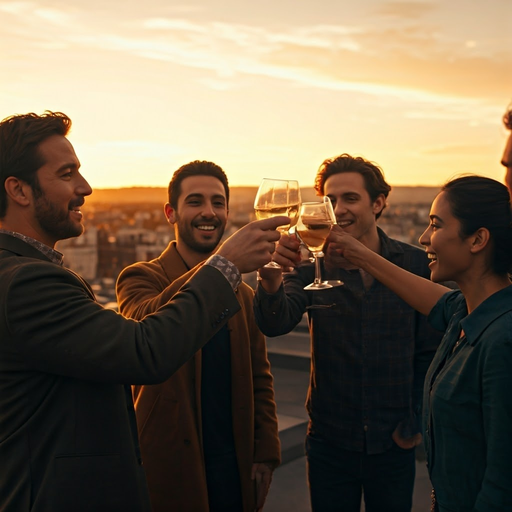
(83, 188)
(339, 209)
(506, 160)
(208, 210)
(425, 237)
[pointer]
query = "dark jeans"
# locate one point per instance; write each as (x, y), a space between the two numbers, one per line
(337, 478)
(223, 481)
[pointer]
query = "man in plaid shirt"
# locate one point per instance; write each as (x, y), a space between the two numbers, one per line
(370, 352)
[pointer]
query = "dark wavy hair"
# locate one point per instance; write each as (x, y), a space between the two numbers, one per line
(20, 136)
(478, 202)
(195, 168)
(372, 174)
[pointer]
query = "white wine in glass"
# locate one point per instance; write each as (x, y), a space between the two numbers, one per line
(278, 197)
(313, 227)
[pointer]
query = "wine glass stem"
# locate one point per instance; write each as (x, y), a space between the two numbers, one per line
(318, 273)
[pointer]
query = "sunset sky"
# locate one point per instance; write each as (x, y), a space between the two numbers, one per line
(266, 88)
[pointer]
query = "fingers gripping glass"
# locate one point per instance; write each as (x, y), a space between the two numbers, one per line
(313, 227)
(278, 197)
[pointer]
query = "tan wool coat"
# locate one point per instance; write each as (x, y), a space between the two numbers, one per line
(169, 414)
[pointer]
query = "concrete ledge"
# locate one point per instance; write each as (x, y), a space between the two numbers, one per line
(292, 440)
(290, 351)
(290, 361)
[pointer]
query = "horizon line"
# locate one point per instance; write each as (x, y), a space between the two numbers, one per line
(239, 186)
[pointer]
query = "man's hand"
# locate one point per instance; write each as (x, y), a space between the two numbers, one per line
(252, 246)
(343, 250)
(287, 252)
(405, 442)
(262, 475)
(287, 255)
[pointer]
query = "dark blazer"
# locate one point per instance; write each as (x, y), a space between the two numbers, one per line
(68, 439)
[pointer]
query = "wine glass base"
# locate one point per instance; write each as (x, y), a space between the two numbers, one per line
(334, 282)
(317, 286)
(272, 264)
(324, 285)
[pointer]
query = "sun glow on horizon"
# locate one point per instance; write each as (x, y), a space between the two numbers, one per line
(272, 90)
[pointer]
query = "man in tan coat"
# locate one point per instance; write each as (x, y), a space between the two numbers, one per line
(208, 435)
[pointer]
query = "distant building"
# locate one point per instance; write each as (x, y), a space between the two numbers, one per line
(81, 253)
(120, 233)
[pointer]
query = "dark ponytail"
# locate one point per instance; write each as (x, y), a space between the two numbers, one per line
(479, 202)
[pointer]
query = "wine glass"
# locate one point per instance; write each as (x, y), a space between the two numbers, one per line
(278, 197)
(313, 228)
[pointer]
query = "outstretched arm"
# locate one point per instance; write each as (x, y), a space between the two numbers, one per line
(420, 293)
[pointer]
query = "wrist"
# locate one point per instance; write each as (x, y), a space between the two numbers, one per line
(269, 283)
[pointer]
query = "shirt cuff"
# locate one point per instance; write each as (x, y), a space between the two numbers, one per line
(228, 269)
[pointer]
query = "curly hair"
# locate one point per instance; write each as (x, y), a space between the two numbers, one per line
(372, 174)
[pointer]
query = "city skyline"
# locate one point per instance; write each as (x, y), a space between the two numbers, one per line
(266, 89)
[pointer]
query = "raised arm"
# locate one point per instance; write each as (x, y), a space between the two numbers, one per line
(420, 293)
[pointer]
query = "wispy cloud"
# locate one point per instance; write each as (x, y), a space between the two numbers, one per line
(412, 61)
(16, 7)
(405, 10)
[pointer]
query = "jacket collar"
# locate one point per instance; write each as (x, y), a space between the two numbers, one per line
(21, 248)
(172, 263)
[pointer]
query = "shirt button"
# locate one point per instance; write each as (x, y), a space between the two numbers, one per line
(365, 428)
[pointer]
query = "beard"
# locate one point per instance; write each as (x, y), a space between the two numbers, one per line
(190, 236)
(54, 220)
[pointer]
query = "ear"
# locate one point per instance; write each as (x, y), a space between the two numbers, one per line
(479, 240)
(18, 191)
(379, 204)
(170, 213)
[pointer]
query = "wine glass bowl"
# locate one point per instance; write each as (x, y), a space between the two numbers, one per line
(313, 228)
(278, 197)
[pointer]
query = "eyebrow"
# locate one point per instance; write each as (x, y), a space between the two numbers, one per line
(70, 165)
(344, 194)
(201, 196)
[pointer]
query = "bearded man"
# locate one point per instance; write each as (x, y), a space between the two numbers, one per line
(208, 435)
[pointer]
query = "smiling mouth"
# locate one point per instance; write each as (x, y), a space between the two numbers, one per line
(76, 211)
(76, 208)
(345, 223)
(206, 227)
(432, 256)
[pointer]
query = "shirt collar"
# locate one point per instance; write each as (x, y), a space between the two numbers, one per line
(53, 255)
(489, 310)
(388, 246)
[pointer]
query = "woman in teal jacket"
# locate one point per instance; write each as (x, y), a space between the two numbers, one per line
(468, 388)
